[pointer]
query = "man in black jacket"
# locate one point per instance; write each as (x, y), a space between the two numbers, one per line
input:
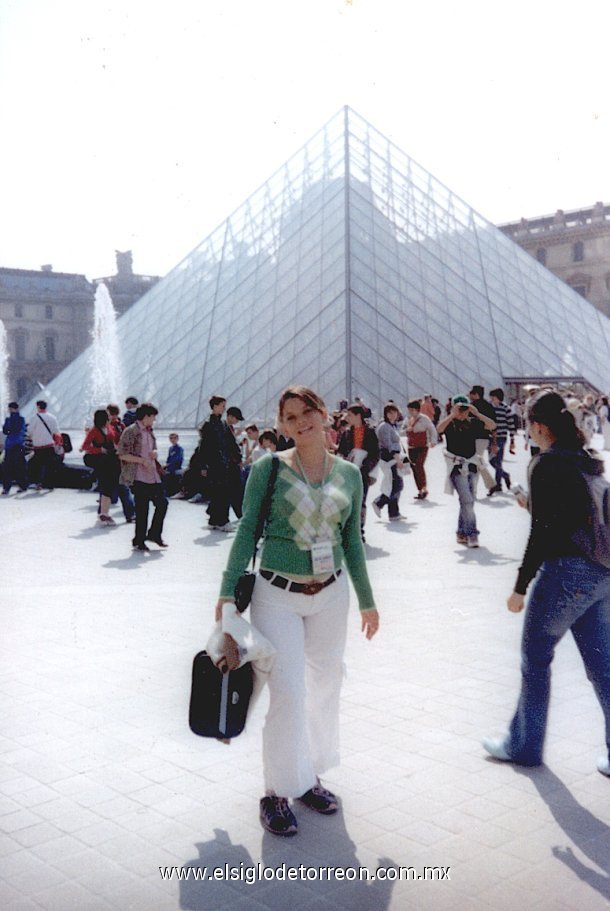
(219, 454)
(359, 444)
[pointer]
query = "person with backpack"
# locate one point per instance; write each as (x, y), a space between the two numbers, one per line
(568, 547)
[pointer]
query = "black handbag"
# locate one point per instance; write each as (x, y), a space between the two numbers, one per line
(244, 586)
(219, 702)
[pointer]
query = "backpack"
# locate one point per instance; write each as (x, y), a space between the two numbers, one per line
(594, 539)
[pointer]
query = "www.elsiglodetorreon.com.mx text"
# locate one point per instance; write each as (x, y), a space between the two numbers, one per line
(253, 873)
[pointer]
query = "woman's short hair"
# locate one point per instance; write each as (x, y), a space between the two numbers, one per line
(550, 409)
(268, 435)
(358, 409)
(415, 405)
(144, 410)
(100, 418)
(390, 406)
(306, 395)
(113, 409)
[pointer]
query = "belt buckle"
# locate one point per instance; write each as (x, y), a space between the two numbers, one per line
(312, 588)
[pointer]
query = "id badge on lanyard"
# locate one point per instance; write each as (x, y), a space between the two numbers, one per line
(322, 559)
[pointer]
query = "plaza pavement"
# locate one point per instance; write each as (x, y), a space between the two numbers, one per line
(101, 782)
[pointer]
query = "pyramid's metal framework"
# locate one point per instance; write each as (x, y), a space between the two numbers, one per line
(355, 271)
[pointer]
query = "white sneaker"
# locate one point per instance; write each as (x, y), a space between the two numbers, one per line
(226, 527)
(472, 541)
(397, 518)
(495, 747)
(603, 766)
(196, 499)
(178, 496)
(376, 509)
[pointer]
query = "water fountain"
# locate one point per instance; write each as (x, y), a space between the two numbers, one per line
(106, 374)
(4, 393)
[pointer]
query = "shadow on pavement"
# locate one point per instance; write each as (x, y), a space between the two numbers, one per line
(586, 831)
(213, 539)
(482, 556)
(375, 553)
(269, 883)
(135, 560)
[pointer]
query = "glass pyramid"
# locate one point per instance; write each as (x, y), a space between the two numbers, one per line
(356, 272)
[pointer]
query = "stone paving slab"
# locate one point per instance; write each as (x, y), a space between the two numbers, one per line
(101, 782)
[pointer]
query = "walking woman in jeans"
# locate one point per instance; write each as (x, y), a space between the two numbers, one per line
(571, 592)
(300, 603)
(390, 454)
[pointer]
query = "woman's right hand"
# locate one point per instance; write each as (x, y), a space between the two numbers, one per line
(219, 604)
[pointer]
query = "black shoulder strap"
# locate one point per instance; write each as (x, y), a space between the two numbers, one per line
(265, 505)
(44, 422)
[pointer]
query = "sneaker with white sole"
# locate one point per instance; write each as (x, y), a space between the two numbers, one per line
(376, 509)
(277, 817)
(603, 766)
(106, 521)
(320, 800)
(472, 541)
(495, 746)
(226, 527)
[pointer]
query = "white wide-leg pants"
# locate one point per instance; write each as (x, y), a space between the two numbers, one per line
(301, 732)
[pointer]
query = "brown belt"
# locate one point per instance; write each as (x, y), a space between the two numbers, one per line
(301, 588)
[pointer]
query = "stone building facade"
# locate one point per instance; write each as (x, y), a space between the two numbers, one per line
(48, 317)
(575, 245)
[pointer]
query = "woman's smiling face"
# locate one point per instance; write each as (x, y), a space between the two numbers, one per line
(301, 421)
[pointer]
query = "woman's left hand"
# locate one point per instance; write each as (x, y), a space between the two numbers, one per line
(515, 602)
(370, 622)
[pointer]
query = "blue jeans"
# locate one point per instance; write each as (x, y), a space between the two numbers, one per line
(392, 501)
(497, 460)
(465, 485)
(570, 593)
(124, 494)
(14, 468)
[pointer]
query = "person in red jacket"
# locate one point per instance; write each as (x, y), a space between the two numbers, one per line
(100, 454)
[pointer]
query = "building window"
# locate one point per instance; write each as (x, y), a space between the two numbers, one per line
(541, 255)
(49, 348)
(48, 311)
(19, 347)
(18, 310)
(22, 387)
(578, 252)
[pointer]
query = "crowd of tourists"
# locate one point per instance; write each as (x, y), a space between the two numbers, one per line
(314, 489)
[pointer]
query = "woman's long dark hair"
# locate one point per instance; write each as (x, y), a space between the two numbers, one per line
(100, 418)
(550, 409)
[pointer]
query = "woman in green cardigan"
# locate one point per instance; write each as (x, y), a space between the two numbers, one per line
(300, 603)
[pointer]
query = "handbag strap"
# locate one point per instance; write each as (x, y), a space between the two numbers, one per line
(38, 415)
(265, 506)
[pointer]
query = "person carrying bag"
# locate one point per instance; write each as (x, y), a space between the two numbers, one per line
(300, 604)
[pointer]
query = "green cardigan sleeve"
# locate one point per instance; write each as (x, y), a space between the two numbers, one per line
(353, 548)
(242, 548)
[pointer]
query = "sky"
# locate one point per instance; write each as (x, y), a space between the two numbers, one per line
(140, 125)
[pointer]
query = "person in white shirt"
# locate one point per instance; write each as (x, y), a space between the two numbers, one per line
(43, 430)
